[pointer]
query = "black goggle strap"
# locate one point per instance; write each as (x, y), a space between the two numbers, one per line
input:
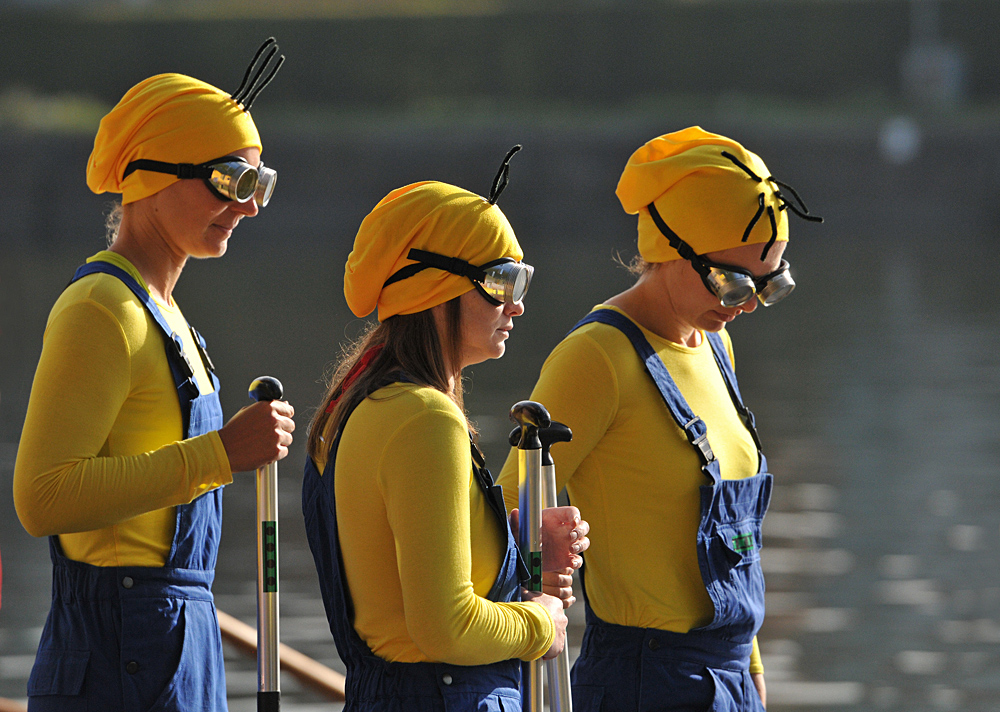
(181, 170)
(500, 182)
(683, 249)
(454, 265)
(248, 90)
(425, 259)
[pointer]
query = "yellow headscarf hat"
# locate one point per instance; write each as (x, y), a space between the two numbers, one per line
(432, 216)
(709, 190)
(176, 119)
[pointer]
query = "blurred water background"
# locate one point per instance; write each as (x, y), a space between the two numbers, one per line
(875, 386)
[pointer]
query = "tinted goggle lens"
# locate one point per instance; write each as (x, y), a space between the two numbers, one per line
(507, 282)
(267, 177)
(776, 288)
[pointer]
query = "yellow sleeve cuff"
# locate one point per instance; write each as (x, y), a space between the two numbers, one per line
(545, 629)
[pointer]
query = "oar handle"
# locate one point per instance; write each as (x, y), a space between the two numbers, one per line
(556, 670)
(530, 417)
(267, 388)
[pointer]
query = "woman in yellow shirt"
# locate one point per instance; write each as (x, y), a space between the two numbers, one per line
(417, 564)
(665, 460)
(124, 454)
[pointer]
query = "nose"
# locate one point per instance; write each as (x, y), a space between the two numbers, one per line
(515, 309)
(249, 208)
(750, 305)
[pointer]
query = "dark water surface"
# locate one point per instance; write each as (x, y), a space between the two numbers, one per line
(876, 385)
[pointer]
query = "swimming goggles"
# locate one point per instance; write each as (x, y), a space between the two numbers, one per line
(503, 281)
(229, 177)
(734, 286)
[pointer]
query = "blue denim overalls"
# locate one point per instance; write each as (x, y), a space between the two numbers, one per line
(141, 638)
(374, 684)
(645, 669)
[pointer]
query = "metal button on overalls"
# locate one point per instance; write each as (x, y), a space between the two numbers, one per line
(127, 582)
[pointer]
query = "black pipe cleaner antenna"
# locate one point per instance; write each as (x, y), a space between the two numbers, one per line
(500, 182)
(250, 88)
(801, 210)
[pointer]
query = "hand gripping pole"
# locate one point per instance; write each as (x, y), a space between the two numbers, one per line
(530, 417)
(267, 388)
(556, 670)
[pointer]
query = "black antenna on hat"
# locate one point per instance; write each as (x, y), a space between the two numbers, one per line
(784, 203)
(500, 182)
(248, 91)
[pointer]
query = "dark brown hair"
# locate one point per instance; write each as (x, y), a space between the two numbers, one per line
(409, 345)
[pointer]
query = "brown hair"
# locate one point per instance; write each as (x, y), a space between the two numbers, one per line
(113, 221)
(410, 345)
(636, 266)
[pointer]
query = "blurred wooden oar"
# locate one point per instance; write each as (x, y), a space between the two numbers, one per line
(310, 673)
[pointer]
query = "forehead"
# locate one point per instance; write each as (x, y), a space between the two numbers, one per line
(251, 154)
(748, 257)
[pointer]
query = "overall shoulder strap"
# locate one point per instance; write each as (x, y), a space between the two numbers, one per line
(180, 366)
(729, 376)
(693, 426)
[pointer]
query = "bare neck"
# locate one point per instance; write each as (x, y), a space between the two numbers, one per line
(151, 255)
(648, 302)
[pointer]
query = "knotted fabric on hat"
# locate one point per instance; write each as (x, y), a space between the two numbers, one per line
(430, 216)
(706, 198)
(172, 118)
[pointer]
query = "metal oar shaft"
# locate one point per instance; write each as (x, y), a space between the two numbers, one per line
(534, 497)
(530, 416)
(268, 665)
(557, 669)
(267, 388)
(530, 539)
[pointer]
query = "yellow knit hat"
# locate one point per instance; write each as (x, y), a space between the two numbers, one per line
(430, 216)
(708, 198)
(172, 118)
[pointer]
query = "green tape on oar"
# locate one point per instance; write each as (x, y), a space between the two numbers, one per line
(535, 570)
(269, 560)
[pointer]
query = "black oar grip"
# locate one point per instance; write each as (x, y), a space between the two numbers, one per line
(530, 416)
(266, 388)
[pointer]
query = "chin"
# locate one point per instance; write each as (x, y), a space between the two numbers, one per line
(213, 251)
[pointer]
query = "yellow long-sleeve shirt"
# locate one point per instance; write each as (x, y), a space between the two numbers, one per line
(102, 461)
(633, 474)
(421, 547)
